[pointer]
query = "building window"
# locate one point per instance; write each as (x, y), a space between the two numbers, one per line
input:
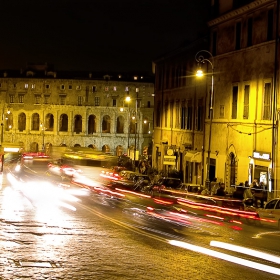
(114, 102)
(78, 87)
(46, 99)
(70, 87)
(97, 101)
(62, 99)
(80, 100)
(94, 88)
(126, 89)
(114, 88)
(26, 86)
(249, 32)
(20, 98)
(234, 102)
(270, 25)
(189, 115)
(165, 113)
(12, 98)
(0, 85)
(37, 99)
(62, 87)
(238, 36)
(199, 115)
(106, 89)
(47, 86)
(267, 101)
(183, 116)
(15, 85)
(33, 86)
(177, 120)
(246, 102)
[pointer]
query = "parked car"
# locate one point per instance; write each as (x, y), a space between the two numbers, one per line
(270, 214)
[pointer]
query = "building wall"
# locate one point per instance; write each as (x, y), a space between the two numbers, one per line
(27, 93)
(244, 141)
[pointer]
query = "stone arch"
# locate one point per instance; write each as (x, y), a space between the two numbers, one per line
(77, 145)
(120, 124)
(119, 150)
(78, 124)
(35, 121)
(21, 121)
(91, 124)
(63, 122)
(49, 122)
(106, 124)
(92, 146)
(105, 149)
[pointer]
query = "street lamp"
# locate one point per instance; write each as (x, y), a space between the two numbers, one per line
(43, 136)
(199, 57)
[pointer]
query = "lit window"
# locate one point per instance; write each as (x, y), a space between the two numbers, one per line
(106, 88)
(80, 100)
(115, 88)
(78, 87)
(20, 98)
(37, 99)
(26, 86)
(12, 98)
(97, 101)
(33, 86)
(135, 78)
(126, 89)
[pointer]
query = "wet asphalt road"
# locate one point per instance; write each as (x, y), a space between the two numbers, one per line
(75, 233)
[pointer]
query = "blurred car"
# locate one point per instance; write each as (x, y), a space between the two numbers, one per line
(270, 214)
(132, 181)
(168, 187)
(58, 167)
(113, 173)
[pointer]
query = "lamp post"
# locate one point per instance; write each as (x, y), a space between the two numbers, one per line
(127, 99)
(43, 136)
(199, 57)
(135, 138)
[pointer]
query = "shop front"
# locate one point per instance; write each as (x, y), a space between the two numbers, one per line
(193, 171)
(260, 168)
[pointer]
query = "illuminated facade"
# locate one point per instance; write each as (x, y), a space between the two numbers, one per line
(43, 109)
(244, 132)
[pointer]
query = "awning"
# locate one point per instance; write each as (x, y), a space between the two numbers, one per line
(193, 156)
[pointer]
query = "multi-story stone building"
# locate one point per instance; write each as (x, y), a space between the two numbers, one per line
(243, 58)
(42, 108)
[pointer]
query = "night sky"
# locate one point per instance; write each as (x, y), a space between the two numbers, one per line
(96, 35)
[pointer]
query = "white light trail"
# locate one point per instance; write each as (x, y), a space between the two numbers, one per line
(226, 257)
(246, 251)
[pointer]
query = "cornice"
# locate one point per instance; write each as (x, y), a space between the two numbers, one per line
(239, 11)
